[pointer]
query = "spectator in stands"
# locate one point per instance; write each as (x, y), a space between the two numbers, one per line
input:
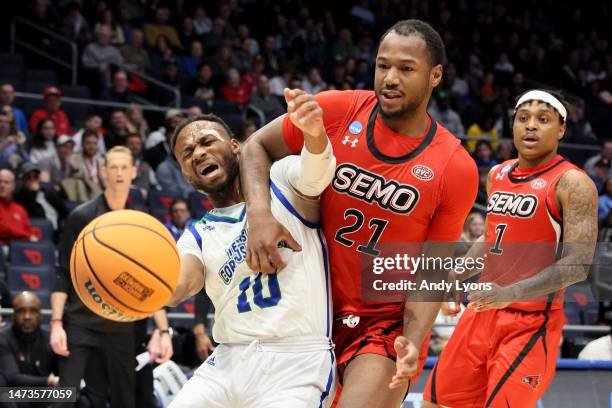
(118, 92)
(202, 86)
(263, 100)
(201, 22)
(506, 151)
(26, 359)
(180, 218)
(93, 122)
(606, 154)
(21, 138)
(441, 111)
(195, 58)
(14, 220)
(172, 76)
(136, 122)
(12, 150)
(170, 178)
(100, 55)
(145, 178)
(481, 197)
(600, 173)
(75, 25)
(248, 128)
(187, 34)
(108, 18)
(58, 169)
(313, 83)
(156, 145)
(484, 154)
(134, 54)
(193, 112)
(473, 228)
(578, 128)
(53, 101)
(605, 204)
(38, 202)
(235, 90)
(7, 97)
(89, 163)
(117, 131)
(43, 141)
(161, 27)
(483, 128)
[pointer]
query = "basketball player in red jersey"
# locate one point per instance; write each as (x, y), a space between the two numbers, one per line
(400, 177)
(503, 352)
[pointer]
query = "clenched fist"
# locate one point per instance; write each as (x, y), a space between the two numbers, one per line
(305, 112)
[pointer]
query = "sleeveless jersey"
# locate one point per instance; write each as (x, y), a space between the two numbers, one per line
(294, 302)
(524, 227)
(375, 198)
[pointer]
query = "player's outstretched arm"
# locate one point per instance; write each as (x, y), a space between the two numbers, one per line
(191, 279)
(265, 232)
(577, 197)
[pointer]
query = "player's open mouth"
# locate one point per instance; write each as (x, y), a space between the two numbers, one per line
(389, 95)
(209, 170)
(530, 139)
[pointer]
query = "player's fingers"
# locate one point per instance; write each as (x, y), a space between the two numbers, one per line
(289, 95)
(299, 100)
(311, 117)
(306, 109)
(255, 264)
(265, 266)
(276, 260)
(290, 242)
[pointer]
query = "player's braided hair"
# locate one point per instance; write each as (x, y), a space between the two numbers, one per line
(209, 117)
(435, 45)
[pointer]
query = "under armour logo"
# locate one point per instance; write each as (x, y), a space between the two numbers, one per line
(347, 139)
(499, 176)
(351, 321)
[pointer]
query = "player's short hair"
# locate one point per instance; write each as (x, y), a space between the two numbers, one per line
(118, 149)
(433, 41)
(555, 93)
(209, 117)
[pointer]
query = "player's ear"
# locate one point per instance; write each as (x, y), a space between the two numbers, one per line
(436, 75)
(561, 131)
(235, 146)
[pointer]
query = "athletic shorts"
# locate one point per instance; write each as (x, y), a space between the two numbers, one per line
(497, 358)
(371, 335)
(271, 374)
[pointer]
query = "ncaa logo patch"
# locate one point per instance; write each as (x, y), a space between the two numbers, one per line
(355, 127)
(422, 172)
(538, 184)
(532, 380)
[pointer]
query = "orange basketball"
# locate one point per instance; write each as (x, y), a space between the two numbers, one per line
(124, 265)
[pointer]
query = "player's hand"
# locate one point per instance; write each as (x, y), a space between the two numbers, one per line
(406, 363)
(451, 304)
(265, 236)
(304, 112)
(59, 340)
(204, 346)
(496, 298)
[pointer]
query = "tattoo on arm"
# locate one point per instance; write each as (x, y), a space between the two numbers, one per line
(578, 199)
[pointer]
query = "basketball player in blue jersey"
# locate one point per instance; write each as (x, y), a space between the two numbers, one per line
(273, 329)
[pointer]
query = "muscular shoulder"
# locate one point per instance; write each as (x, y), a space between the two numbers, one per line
(461, 167)
(575, 185)
(340, 103)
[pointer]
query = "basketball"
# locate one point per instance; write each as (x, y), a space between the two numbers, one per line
(124, 265)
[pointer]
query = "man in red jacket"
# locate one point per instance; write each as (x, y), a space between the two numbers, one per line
(14, 221)
(53, 101)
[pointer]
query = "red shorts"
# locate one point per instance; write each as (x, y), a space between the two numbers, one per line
(498, 358)
(372, 335)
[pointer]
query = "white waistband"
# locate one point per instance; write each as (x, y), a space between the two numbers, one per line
(286, 344)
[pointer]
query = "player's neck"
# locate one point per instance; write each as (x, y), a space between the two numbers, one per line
(116, 200)
(413, 124)
(226, 198)
(532, 163)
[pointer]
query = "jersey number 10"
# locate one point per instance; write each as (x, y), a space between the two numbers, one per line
(258, 298)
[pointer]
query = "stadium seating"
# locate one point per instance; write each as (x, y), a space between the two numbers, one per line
(26, 253)
(161, 200)
(42, 228)
(198, 204)
(38, 279)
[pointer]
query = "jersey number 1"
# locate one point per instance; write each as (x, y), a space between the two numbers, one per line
(500, 229)
(258, 299)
